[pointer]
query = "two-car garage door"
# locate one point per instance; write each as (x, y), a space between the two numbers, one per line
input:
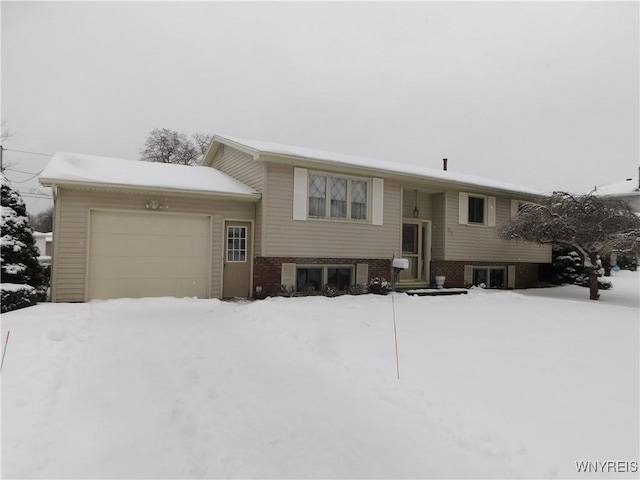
(148, 255)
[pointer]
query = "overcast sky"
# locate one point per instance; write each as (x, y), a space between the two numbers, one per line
(540, 94)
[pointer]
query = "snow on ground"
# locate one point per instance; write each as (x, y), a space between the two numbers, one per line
(493, 384)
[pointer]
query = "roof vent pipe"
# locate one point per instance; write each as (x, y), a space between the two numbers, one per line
(444, 164)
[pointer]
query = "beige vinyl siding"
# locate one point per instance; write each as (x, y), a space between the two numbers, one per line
(240, 166)
(244, 168)
(482, 243)
(70, 265)
(409, 203)
(438, 226)
(326, 238)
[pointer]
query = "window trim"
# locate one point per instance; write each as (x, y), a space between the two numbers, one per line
(489, 214)
(246, 240)
(325, 271)
(350, 178)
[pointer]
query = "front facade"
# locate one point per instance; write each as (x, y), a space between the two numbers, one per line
(326, 222)
(305, 220)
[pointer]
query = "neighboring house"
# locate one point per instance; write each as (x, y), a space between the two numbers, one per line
(257, 216)
(628, 190)
(44, 242)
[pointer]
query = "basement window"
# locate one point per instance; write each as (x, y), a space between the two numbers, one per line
(314, 278)
(490, 277)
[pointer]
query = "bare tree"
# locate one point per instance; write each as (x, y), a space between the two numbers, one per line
(168, 146)
(592, 225)
(5, 133)
(202, 141)
(42, 221)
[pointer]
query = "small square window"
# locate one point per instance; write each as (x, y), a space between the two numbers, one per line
(496, 277)
(309, 279)
(480, 277)
(476, 209)
(339, 277)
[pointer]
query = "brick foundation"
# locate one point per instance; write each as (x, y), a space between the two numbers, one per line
(267, 271)
(526, 273)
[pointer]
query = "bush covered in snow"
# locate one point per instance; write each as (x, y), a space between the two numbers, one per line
(568, 269)
(16, 296)
(19, 254)
(379, 286)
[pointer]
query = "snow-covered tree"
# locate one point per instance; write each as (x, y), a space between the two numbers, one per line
(168, 146)
(591, 225)
(19, 254)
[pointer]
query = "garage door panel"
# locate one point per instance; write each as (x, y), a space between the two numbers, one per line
(194, 226)
(149, 255)
(190, 246)
(190, 266)
(104, 267)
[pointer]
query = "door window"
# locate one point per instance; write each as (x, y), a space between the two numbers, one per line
(236, 244)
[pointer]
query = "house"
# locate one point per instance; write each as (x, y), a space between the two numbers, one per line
(256, 216)
(628, 190)
(44, 242)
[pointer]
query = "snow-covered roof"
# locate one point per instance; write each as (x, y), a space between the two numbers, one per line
(72, 168)
(623, 188)
(46, 235)
(257, 147)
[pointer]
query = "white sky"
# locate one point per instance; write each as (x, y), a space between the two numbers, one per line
(541, 94)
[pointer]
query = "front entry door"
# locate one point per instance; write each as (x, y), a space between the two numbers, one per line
(416, 245)
(411, 250)
(237, 260)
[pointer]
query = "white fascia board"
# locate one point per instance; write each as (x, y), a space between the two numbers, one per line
(53, 183)
(238, 146)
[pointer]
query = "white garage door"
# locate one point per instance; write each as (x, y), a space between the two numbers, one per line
(148, 255)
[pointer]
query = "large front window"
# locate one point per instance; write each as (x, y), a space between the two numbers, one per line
(359, 199)
(317, 196)
(337, 197)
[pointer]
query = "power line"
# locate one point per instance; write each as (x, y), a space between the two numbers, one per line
(28, 179)
(30, 153)
(20, 171)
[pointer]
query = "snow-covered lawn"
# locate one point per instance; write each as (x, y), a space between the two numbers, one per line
(493, 384)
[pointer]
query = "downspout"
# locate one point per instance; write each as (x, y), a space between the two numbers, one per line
(54, 254)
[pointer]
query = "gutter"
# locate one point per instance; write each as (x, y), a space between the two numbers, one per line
(81, 185)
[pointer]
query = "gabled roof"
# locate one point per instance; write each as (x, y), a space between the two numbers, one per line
(257, 149)
(73, 169)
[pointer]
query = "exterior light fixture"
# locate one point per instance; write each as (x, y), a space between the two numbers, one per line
(155, 205)
(416, 212)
